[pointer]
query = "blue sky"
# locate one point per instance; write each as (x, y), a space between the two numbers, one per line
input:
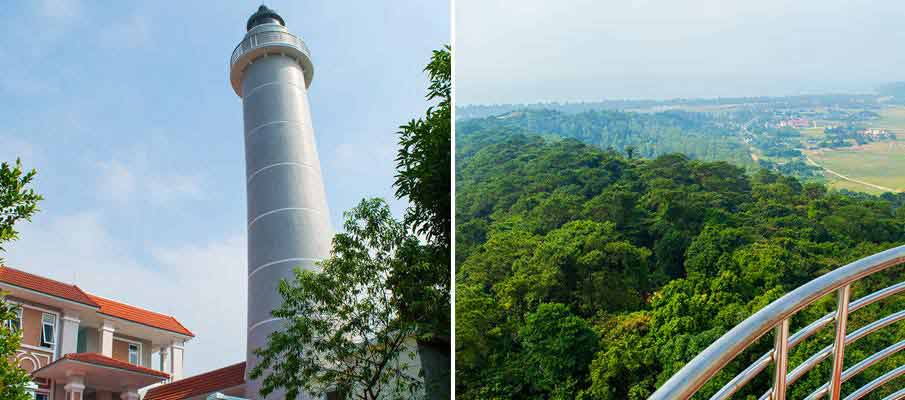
(126, 111)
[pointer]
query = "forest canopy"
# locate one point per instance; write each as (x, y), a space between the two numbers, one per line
(594, 274)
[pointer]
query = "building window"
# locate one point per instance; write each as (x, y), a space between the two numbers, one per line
(48, 330)
(41, 396)
(133, 354)
(15, 324)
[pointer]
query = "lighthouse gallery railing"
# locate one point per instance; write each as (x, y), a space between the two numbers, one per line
(266, 38)
(776, 317)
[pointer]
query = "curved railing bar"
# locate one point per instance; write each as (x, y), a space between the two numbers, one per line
(821, 355)
(742, 379)
(896, 396)
(860, 367)
(876, 383)
(856, 305)
(705, 365)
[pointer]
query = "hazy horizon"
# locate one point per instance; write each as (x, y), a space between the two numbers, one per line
(669, 99)
(587, 51)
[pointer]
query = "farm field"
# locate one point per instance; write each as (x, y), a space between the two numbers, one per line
(879, 163)
(812, 132)
(892, 118)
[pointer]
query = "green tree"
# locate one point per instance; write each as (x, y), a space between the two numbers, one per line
(13, 380)
(660, 257)
(17, 203)
(423, 159)
(421, 284)
(559, 346)
(343, 331)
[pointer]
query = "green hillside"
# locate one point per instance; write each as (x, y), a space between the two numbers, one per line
(582, 273)
(647, 134)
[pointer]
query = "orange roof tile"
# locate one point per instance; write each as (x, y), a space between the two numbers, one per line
(139, 315)
(208, 382)
(98, 359)
(43, 285)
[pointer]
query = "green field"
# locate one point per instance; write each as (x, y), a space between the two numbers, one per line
(880, 163)
(837, 183)
(808, 133)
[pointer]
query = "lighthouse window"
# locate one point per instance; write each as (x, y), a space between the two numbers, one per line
(48, 325)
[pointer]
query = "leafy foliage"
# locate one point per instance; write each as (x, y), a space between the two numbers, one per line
(17, 202)
(13, 380)
(658, 257)
(423, 177)
(343, 331)
(647, 135)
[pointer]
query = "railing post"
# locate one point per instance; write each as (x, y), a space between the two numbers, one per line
(835, 387)
(780, 359)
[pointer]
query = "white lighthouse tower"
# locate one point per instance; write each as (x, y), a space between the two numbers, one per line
(288, 222)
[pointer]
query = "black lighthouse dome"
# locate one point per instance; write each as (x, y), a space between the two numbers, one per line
(264, 15)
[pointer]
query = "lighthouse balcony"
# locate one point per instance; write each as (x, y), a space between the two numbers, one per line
(264, 40)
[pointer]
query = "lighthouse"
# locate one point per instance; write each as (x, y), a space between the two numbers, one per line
(287, 218)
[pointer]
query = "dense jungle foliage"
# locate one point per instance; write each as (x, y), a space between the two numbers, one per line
(592, 274)
(645, 134)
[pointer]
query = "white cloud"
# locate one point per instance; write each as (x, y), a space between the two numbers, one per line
(202, 285)
(166, 189)
(116, 181)
(363, 157)
(131, 33)
(59, 9)
(134, 182)
(12, 147)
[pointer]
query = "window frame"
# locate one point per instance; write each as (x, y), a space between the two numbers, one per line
(18, 320)
(137, 347)
(22, 306)
(44, 342)
(129, 343)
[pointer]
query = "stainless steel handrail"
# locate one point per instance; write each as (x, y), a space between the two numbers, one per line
(859, 367)
(705, 365)
(876, 383)
(896, 396)
(758, 366)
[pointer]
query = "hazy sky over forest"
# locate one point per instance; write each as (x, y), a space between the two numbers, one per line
(538, 50)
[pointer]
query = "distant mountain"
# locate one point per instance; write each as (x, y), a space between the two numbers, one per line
(644, 134)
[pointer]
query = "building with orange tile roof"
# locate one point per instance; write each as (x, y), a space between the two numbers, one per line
(80, 346)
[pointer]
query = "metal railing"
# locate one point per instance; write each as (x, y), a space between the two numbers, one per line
(267, 38)
(776, 317)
